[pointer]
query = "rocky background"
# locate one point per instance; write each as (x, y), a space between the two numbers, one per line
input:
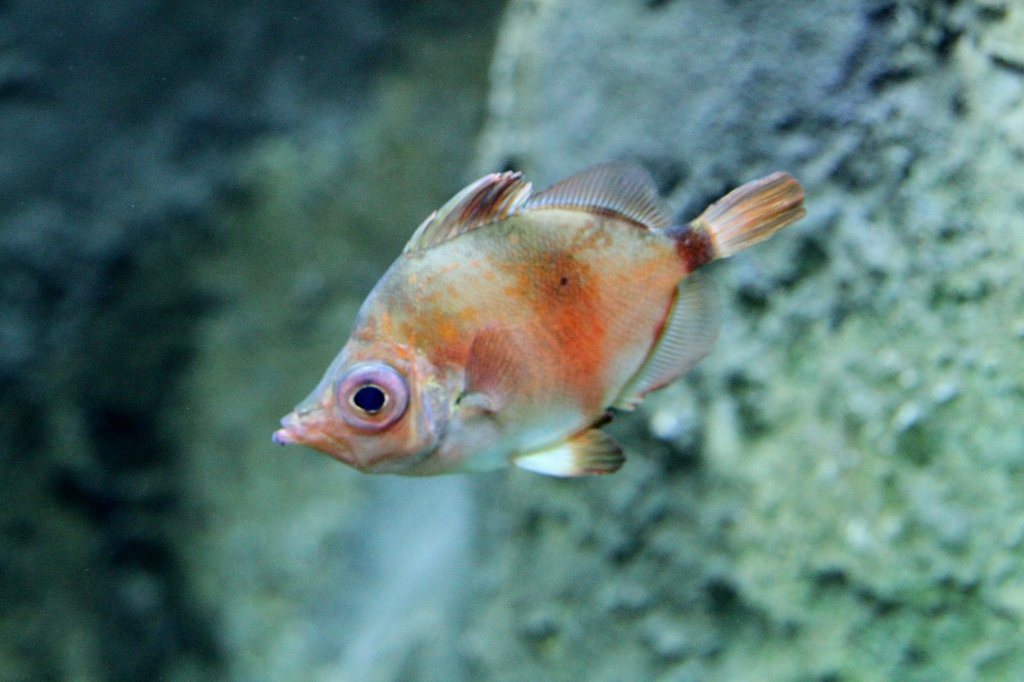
(194, 198)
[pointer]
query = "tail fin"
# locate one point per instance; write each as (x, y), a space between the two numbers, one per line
(751, 213)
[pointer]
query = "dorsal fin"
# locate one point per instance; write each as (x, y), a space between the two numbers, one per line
(620, 187)
(489, 199)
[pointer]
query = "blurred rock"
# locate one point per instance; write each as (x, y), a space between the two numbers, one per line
(132, 134)
(315, 571)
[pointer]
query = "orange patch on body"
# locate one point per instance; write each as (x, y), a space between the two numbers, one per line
(447, 331)
(564, 296)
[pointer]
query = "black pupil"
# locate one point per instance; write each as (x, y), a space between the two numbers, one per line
(369, 398)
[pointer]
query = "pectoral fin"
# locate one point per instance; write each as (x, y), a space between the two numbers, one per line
(494, 370)
(587, 453)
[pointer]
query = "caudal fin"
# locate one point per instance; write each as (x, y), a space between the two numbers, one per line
(751, 213)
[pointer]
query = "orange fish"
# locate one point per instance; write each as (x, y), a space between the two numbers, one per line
(513, 323)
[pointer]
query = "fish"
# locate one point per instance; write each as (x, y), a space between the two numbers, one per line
(515, 324)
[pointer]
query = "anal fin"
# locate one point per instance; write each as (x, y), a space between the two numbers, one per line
(588, 453)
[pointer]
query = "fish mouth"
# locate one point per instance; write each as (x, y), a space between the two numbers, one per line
(298, 431)
(289, 434)
(284, 437)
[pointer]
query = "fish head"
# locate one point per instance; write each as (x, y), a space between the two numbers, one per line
(380, 408)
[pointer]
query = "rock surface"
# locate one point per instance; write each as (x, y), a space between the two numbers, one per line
(834, 493)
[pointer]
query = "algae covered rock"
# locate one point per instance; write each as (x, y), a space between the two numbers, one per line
(834, 493)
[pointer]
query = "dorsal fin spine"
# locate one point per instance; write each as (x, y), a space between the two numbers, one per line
(492, 198)
(621, 189)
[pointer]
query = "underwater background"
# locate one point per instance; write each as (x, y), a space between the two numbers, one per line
(195, 198)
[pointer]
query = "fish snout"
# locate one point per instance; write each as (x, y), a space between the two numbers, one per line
(290, 431)
(309, 428)
(283, 437)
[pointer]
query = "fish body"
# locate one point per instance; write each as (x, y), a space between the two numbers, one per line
(513, 323)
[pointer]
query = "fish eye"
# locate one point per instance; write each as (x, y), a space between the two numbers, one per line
(371, 396)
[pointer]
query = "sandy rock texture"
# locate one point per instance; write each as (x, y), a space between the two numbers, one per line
(834, 493)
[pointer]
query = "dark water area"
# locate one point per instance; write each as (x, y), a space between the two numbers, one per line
(196, 197)
(126, 128)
